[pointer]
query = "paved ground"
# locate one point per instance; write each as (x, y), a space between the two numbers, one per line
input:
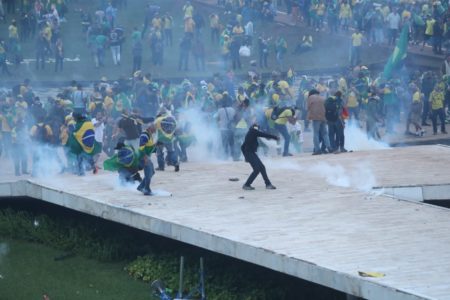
(322, 224)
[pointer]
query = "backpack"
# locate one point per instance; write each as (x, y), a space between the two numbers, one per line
(276, 113)
(331, 112)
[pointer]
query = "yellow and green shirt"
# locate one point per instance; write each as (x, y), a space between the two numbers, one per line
(437, 100)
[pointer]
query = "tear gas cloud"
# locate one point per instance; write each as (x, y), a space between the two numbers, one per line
(356, 140)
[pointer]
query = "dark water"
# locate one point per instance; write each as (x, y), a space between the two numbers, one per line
(29, 270)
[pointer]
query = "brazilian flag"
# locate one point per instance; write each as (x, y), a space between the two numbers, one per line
(399, 54)
(186, 139)
(83, 139)
(126, 157)
(146, 144)
(166, 126)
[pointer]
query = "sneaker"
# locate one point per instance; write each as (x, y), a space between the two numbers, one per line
(177, 168)
(148, 193)
(444, 132)
(247, 187)
(159, 169)
(287, 154)
(270, 187)
(317, 153)
(343, 150)
(95, 170)
(140, 189)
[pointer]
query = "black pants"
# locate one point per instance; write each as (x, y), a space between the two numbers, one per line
(435, 113)
(263, 60)
(236, 61)
(336, 134)
(137, 61)
(257, 166)
(426, 109)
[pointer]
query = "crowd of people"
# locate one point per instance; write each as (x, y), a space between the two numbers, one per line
(111, 115)
(126, 119)
(231, 29)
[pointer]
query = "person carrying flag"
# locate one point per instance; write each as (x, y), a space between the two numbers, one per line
(81, 142)
(146, 148)
(166, 125)
(127, 162)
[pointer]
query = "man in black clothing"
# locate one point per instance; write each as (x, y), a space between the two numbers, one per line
(249, 148)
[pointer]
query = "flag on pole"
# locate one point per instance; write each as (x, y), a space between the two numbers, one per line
(398, 55)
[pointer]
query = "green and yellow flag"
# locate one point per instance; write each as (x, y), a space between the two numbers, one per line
(83, 139)
(399, 54)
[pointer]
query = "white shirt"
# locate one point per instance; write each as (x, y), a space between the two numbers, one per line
(99, 129)
(394, 21)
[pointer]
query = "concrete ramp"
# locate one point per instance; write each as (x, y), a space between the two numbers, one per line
(323, 224)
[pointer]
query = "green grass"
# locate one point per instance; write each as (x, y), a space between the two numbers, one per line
(29, 271)
(120, 253)
(329, 52)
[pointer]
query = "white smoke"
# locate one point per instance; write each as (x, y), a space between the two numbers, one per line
(208, 145)
(357, 176)
(356, 140)
(47, 160)
(360, 176)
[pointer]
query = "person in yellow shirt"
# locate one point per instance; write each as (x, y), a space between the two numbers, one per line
(437, 107)
(282, 116)
(353, 106)
(415, 111)
(6, 125)
(157, 22)
(345, 15)
(357, 38)
(238, 30)
(13, 32)
(168, 24)
(188, 10)
(429, 25)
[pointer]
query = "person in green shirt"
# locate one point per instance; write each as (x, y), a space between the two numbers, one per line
(437, 107)
(100, 44)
